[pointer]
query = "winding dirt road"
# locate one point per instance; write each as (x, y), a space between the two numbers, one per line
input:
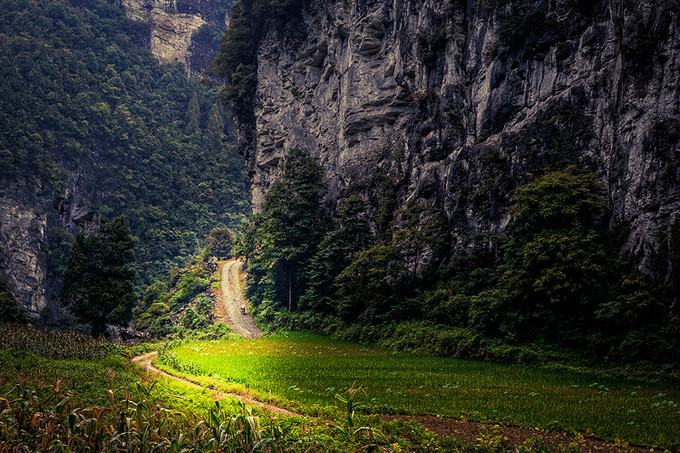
(146, 362)
(232, 298)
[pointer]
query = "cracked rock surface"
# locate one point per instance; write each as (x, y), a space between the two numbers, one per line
(460, 102)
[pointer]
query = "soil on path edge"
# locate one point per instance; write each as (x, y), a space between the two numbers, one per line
(145, 361)
(231, 300)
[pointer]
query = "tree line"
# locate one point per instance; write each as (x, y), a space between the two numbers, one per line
(550, 279)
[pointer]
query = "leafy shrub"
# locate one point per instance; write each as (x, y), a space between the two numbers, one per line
(192, 320)
(220, 242)
(189, 286)
(10, 311)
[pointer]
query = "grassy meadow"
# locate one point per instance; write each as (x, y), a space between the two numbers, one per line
(61, 391)
(306, 372)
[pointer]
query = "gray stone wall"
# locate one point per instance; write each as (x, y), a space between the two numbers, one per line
(461, 101)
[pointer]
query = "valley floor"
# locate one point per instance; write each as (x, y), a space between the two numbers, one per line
(516, 405)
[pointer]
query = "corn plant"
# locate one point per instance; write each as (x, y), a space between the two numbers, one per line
(45, 419)
(358, 436)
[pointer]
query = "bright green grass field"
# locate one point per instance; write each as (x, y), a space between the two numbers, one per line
(311, 370)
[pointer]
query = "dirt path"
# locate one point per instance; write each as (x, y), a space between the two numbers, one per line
(465, 431)
(145, 361)
(232, 298)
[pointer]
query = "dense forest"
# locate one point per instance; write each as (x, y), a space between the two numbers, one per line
(92, 121)
(548, 282)
(373, 269)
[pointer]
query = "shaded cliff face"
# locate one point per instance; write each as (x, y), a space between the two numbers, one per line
(22, 238)
(458, 102)
(182, 31)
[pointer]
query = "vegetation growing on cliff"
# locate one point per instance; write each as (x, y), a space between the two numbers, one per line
(236, 61)
(549, 281)
(91, 118)
(10, 311)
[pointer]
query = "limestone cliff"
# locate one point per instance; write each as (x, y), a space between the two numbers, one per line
(461, 101)
(22, 238)
(182, 31)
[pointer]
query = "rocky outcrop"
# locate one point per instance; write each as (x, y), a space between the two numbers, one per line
(458, 102)
(22, 239)
(181, 31)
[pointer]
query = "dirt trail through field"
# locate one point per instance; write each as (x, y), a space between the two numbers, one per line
(466, 431)
(462, 430)
(145, 361)
(232, 298)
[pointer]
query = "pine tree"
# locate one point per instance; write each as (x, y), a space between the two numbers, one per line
(99, 275)
(214, 131)
(193, 115)
(283, 237)
(350, 235)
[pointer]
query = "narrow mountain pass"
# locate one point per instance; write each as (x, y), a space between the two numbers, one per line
(232, 300)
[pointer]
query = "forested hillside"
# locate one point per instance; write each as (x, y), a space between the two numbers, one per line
(93, 125)
(549, 281)
(493, 179)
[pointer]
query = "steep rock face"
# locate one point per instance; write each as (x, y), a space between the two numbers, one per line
(458, 102)
(22, 238)
(25, 222)
(174, 26)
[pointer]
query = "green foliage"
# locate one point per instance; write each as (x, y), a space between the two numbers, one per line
(189, 285)
(220, 242)
(281, 240)
(10, 311)
(368, 287)
(98, 280)
(558, 201)
(376, 284)
(236, 61)
(557, 263)
(192, 320)
(349, 236)
(79, 96)
(188, 292)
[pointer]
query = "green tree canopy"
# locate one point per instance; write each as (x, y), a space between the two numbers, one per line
(282, 238)
(99, 276)
(220, 242)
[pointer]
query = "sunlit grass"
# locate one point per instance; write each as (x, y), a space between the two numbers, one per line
(312, 370)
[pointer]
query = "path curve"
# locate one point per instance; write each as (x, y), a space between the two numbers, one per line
(459, 429)
(146, 362)
(232, 298)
